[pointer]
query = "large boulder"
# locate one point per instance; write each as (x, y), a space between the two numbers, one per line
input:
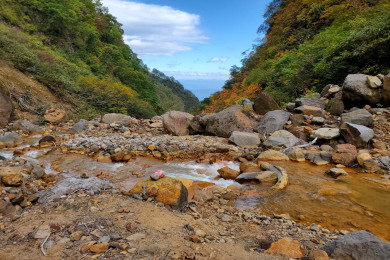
(272, 121)
(360, 245)
(283, 138)
(55, 116)
(264, 103)
(197, 125)
(26, 126)
(227, 121)
(358, 117)
(313, 102)
(358, 135)
(244, 139)
(335, 106)
(6, 109)
(166, 190)
(114, 118)
(177, 122)
(357, 90)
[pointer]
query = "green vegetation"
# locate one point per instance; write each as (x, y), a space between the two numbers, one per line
(311, 43)
(76, 48)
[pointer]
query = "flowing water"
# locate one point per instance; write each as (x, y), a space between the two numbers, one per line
(351, 203)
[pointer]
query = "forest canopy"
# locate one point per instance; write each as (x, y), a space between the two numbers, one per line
(76, 48)
(309, 44)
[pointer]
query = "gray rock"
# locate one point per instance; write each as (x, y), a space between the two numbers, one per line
(259, 176)
(114, 118)
(73, 184)
(6, 109)
(26, 127)
(177, 122)
(244, 139)
(225, 217)
(283, 137)
(247, 104)
(357, 135)
(313, 102)
(104, 239)
(374, 82)
(360, 245)
(227, 121)
(264, 103)
(10, 139)
(336, 172)
(322, 158)
(37, 171)
(335, 106)
(357, 92)
(384, 162)
(325, 90)
(290, 107)
(326, 133)
(359, 117)
(196, 125)
(297, 119)
(79, 126)
(318, 120)
(47, 139)
(272, 121)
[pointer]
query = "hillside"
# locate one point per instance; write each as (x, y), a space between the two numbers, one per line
(308, 44)
(75, 50)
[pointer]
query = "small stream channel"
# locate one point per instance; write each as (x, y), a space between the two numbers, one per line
(351, 203)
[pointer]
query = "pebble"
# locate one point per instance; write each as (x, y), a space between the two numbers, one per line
(104, 239)
(42, 232)
(99, 248)
(136, 236)
(76, 236)
(225, 217)
(314, 227)
(85, 247)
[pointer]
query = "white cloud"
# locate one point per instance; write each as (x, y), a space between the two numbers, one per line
(219, 59)
(154, 29)
(197, 75)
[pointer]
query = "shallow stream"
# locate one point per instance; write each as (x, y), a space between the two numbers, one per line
(351, 203)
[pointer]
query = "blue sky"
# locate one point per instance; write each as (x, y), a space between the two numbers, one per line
(193, 41)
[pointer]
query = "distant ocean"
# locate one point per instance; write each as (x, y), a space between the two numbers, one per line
(202, 88)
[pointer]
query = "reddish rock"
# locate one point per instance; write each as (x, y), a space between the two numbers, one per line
(286, 247)
(345, 154)
(55, 116)
(12, 180)
(166, 190)
(317, 254)
(99, 248)
(249, 167)
(228, 173)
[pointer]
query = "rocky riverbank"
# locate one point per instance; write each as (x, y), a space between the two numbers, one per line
(78, 190)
